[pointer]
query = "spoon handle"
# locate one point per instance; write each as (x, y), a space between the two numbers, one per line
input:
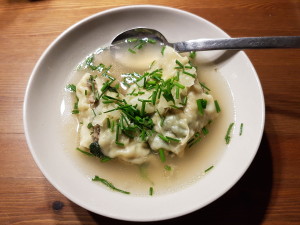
(238, 43)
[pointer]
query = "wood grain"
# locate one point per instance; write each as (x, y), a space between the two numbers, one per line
(269, 192)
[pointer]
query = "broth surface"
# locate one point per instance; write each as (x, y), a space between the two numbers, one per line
(136, 179)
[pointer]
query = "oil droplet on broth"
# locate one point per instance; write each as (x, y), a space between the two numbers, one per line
(182, 170)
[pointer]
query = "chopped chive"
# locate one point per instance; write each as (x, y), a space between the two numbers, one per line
(163, 50)
(90, 125)
(204, 130)
(194, 142)
(143, 108)
(178, 85)
(109, 184)
(131, 40)
(106, 97)
(168, 168)
(151, 82)
(119, 143)
(107, 101)
(151, 41)
(84, 152)
(105, 159)
(75, 111)
(192, 54)
(117, 86)
(189, 74)
(117, 132)
(162, 137)
(179, 64)
(184, 100)
(108, 123)
(218, 109)
(71, 87)
(241, 128)
(177, 93)
(208, 169)
(94, 112)
(177, 76)
(227, 136)
(151, 191)
(112, 126)
(162, 154)
(85, 92)
(173, 139)
(154, 94)
(132, 51)
(200, 106)
(204, 86)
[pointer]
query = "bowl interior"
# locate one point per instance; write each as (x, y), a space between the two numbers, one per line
(43, 104)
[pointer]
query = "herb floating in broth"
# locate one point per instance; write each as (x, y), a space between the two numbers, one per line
(139, 112)
(109, 184)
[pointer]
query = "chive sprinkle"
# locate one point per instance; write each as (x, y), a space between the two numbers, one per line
(162, 156)
(204, 86)
(71, 87)
(109, 184)
(192, 54)
(179, 64)
(204, 130)
(200, 106)
(173, 139)
(162, 137)
(208, 169)
(163, 50)
(227, 136)
(84, 152)
(178, 85)
(241, 128)
(189, 74)
(151, 191)
(218, 109)
(131, 51)
(108, 123)
(105, 159)
(168, 168)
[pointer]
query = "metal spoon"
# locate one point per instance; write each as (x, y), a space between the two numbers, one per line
(213, 44)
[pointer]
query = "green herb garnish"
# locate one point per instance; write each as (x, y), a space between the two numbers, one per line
(132, 51)
(163, 50)
(162, 137)
(71, 87)
(192, 54)
(241, 128)
(109, 184)
(168, 168)
(204, 130)
(218, 109)
(200, 104)
(204, 86)
(162, 156)
(151, 191)
(189, 74)
(84, 152)
(227, 136)
(208, 169)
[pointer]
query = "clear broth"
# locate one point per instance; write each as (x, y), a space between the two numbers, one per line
(184, 170)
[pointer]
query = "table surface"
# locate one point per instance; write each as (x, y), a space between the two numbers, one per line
(269, 192)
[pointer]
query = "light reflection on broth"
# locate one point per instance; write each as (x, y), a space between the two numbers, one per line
(184, 170)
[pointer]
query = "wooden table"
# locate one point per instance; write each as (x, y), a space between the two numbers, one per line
(269, 192)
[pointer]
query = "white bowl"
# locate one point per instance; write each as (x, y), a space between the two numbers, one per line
(42, 114)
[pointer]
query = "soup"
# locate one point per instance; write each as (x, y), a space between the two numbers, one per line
(186, 137)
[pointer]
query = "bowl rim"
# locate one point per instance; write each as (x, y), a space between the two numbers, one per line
(87, 20)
